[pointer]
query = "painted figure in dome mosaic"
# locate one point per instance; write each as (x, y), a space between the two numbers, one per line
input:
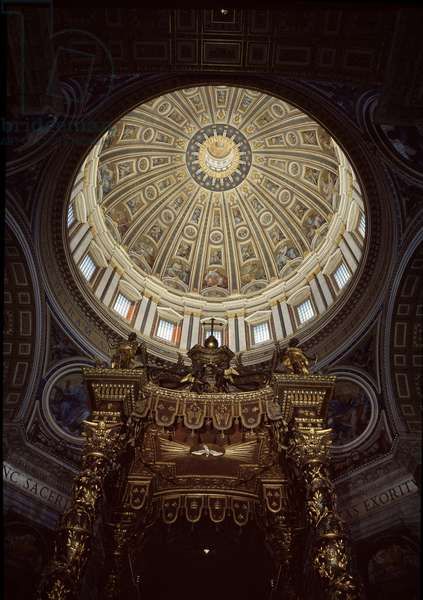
(179, 270)
(184, 250)
(247, 252)
(213, 277)
(216, 257)
(107, 179)
(276, 235)
(285, 254)
(156, 232)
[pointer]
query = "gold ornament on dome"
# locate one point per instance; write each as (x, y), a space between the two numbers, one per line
(219, 157)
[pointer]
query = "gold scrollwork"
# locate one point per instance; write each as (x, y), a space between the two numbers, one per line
(332, 564)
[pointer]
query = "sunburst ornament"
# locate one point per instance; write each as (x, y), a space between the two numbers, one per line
(243, 452)
(218, 157)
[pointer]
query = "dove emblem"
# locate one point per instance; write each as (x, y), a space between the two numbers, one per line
(244, 452)
(205, 451)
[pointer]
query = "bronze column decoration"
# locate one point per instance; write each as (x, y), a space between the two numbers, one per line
(62, 578)
(125, 530)
(280, 518)
(309, 447)
(131, 515)
(278, 534)
(120, 532)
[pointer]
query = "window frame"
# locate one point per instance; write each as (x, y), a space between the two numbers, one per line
(71, 209)
(88, 256)
(309, 300)
(174, 325)
(362, 225)
(254, 326)
(131, 306)
(341, 265)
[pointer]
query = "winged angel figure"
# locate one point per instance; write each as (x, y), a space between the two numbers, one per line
(244, 452)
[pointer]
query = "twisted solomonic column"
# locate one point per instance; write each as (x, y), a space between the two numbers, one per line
(119, 533)
(62, 577)
(330, 557)
(131, 515)
(126, 529)
(280, 517)
(278, 535)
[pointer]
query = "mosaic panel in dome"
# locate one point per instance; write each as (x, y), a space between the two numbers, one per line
(273, 167)
(207, 199)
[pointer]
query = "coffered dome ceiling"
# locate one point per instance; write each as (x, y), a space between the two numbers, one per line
(218, 197)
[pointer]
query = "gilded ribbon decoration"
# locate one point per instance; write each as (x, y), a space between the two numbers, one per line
(119, 533)
(278, 534)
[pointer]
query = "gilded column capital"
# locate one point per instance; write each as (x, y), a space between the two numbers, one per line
(231, 314)
(309, 445)
(103, 439)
